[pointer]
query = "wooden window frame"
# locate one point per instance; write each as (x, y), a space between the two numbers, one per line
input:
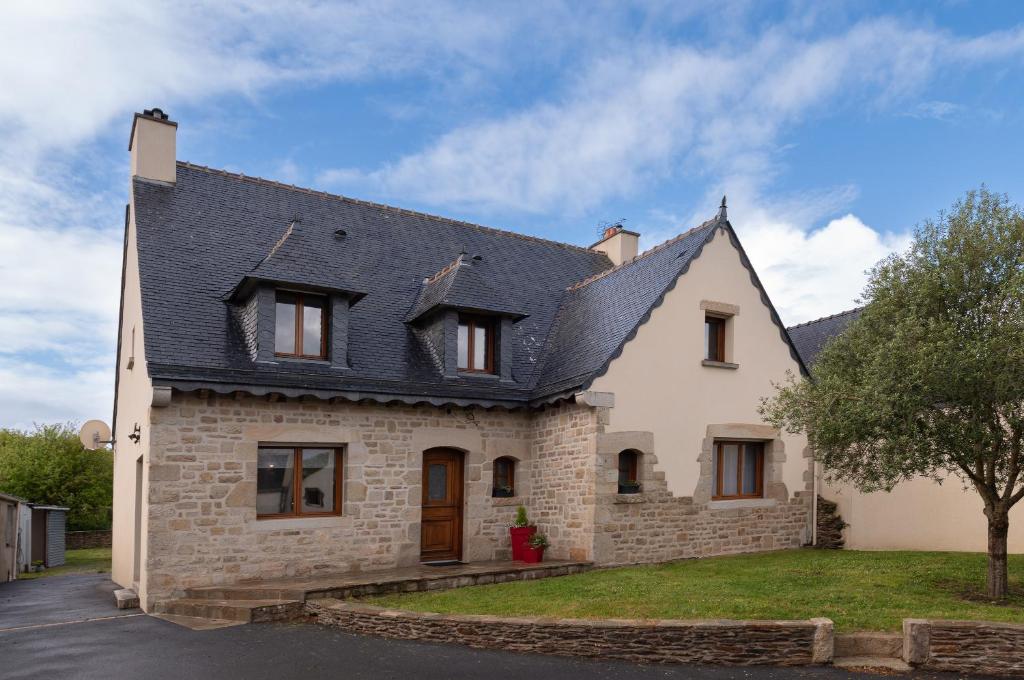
(474, 322)
(511, 462)
(634, 469)
(720, 348)
(300, 309)
(339, 479)
(718, 480)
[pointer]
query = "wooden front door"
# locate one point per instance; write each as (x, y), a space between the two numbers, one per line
(441, 523)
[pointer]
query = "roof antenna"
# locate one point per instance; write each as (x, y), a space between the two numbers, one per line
(722, 214)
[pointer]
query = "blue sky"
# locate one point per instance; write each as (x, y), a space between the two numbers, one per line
(833, 128)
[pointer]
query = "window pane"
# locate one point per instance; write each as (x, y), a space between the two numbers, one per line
(500, 473)
(312, 318)
(712, 330)
(480, 348)
(284, 333)
(318, 476)
(750, 456)
(437, 482)
(463, 345)
(730, 469)
(275, 481)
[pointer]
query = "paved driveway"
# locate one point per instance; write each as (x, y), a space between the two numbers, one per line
(67, 627)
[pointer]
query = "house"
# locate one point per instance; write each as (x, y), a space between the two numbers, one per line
(916, 515)
(312, 384)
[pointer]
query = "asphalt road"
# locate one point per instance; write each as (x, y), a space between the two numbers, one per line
(67, 627)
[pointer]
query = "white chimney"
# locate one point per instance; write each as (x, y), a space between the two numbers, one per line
(152, 146)
(618, 244)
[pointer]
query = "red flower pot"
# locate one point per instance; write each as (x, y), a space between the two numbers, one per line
(520, 537)
(532, 555)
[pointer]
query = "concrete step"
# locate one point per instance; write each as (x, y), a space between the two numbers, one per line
(869, 644)
(197, 623)
(883, 664)
(244, 611)
(244, 592)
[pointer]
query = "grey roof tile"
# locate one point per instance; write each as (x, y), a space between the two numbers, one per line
(810, 337)
(202, 238)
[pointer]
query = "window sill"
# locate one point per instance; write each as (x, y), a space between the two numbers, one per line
(742, 503)
(506, 501)
(291, 523)
(719, 364)
(478, 375)
(629, 499)
(301, 360)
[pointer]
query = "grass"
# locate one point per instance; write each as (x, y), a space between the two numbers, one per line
(857, 590)
(84, 561)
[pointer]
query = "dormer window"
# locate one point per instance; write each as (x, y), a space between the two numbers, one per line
(476, 344)
(300, 320)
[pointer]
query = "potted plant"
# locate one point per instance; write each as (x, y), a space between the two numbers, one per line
(502, 492)
(629, 486)
(520, 532)
(533, 551)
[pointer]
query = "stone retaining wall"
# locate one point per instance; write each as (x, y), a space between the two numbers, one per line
(965, 646)
(785, 643)
(76, 540)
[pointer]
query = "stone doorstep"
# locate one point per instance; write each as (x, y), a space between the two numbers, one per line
(126, 598)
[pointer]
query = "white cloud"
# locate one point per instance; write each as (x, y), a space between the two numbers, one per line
(631, 109)
(637, 116)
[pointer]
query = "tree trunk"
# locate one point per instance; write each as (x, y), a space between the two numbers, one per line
(998, 528)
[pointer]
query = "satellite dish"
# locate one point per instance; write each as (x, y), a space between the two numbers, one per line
(94, 434)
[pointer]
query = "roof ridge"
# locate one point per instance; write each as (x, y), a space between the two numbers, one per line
(451, 266)
(637, 258)
(825, 318)
(382, 206)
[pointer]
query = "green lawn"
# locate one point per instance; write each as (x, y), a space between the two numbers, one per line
(85, 561)
(857, 590)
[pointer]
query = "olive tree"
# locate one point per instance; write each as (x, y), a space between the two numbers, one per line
(929, 379)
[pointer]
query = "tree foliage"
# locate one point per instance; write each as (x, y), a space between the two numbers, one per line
(929, 380)
(49, 465)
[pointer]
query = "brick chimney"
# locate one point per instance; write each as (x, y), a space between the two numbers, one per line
(152, 146)
(618, 244)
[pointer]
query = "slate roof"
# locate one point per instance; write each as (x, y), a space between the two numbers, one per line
(810, 337)
(202, 239)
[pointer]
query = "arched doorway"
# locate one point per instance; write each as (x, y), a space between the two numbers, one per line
(441, 521)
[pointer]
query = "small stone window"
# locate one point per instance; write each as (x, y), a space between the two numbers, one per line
(738, 470)
(504, 484)
(714, 338)
(629, 472)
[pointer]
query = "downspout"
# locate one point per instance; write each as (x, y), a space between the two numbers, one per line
(814, 502)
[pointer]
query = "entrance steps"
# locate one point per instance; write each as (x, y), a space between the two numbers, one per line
(284, 599)
(870, 651)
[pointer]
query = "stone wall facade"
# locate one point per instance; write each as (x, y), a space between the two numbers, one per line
(976, 647)
(202, 524)
(783, 643)
(201, 521)
(656, 526)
